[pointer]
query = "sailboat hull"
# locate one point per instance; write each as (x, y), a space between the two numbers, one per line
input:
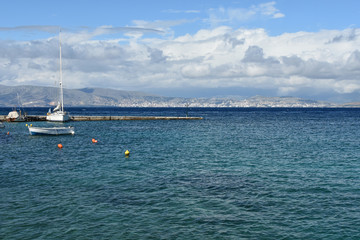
(51, 131)
(58, 117)
(15, 116)
(20, 119)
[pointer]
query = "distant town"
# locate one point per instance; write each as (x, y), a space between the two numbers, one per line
(34, 96)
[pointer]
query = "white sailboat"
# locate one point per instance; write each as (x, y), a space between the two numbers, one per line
(58, 114)
(51, 130)
(16, 115)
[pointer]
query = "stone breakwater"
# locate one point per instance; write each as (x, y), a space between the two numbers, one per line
(35, 118)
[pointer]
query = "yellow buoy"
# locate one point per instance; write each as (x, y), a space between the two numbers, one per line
(127, 153)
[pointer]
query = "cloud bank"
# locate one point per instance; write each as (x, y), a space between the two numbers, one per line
(146, 58)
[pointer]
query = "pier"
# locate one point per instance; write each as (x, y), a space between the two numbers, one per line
(38, 118)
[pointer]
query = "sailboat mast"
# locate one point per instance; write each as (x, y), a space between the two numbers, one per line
(61, 87)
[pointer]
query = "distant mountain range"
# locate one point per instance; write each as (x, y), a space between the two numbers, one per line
(35, 96)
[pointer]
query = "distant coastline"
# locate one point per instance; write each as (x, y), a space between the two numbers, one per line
(35, 96)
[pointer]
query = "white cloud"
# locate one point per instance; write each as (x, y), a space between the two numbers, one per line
(328, 61)
(286, 91)
(33, 28)
(234, 16)
(344, 86)
(268, 9)
(196, 70)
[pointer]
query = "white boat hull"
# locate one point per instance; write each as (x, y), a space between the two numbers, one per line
(58, 117)
(51, 130)
(14, 116)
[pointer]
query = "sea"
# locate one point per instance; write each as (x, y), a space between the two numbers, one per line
(239, 173)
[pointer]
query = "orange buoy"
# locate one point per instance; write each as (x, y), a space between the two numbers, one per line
(8, 133)
(60, 145)
(94, 140)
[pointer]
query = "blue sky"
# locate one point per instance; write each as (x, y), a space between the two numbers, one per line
(198, 48)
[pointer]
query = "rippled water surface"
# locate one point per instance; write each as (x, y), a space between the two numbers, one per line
(236, 174)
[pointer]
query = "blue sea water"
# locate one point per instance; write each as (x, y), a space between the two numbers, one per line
(236, 174)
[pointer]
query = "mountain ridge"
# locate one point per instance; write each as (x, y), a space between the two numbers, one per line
(38, 96)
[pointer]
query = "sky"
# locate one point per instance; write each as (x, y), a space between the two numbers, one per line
(198, 48)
